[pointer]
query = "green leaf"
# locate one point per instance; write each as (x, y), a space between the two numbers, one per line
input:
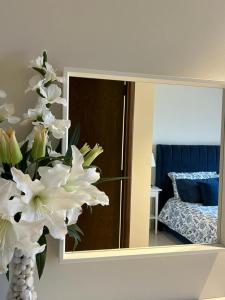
(39, 70)
(78, 229)
(45, 230)
(26, 154)
(59, 147)
(41, 257)
(24, 147)
(75, 232)
(48, 83)
(74, 139)
(7, 173)
(7, 274)
(39, 93)
(45, 58)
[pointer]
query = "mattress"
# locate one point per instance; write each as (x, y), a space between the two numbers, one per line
(195, 222)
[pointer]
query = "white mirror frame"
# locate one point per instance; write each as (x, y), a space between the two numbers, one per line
(129, 253)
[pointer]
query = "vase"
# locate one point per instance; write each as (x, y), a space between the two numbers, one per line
(21, 272)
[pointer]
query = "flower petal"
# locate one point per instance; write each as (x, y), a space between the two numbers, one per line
(55, 176)
(27, 235)
(26, 185)
(59, 199)
(7, 246)
(77, 166)
(7, 190)
(34, 83)
(6, 255)
(13, 119)
(56, 225)
(62, 101)
(91, 175)
(96, 196)
(73, 214)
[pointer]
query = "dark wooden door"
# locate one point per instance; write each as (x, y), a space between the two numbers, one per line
(98, 105)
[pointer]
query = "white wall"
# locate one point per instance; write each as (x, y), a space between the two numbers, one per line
(187, 115)
(176, 37)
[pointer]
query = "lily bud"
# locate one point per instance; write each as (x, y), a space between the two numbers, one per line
(4, 151)
(85, 149)
(40, 141)
(92, 155)
(15, 155)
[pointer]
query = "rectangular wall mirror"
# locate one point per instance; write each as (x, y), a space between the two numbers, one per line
(166, 139)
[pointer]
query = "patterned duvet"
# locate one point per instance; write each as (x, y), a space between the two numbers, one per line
(195, 222)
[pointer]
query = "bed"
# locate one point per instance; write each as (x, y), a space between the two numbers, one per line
(189, 222)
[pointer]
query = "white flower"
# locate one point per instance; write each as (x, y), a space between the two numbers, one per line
(37, 63)
(73, 215)
(52, 94)
(82, 180)
(6, 113)
(57, 127)
(35, 83)
(12, 234)
(55, 154)
(79, 182)
(50, 74)
(37, 112)
(88, 177)
(7, 110)
(45, 200)
(3, 94)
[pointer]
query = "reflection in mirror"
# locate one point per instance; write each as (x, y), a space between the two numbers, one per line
(186, 139)
(182, 206)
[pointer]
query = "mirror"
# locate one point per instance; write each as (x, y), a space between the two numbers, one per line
(180, 128)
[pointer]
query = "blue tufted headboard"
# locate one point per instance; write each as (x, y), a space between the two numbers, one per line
(182, 158)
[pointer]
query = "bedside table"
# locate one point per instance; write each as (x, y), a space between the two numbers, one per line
(155, 197)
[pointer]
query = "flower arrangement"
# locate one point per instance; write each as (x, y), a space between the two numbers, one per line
(42, 191)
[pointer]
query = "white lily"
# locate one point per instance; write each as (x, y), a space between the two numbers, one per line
(84, 178)
(52, 94)
(45, 200)
(73, 214)
(7, 111)
(37, 112)
(35, 83)
(12, 234)
(50, 74)
(37, 63)
(78, 182)
(57, 127)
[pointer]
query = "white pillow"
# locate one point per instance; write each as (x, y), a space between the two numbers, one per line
(193, 175)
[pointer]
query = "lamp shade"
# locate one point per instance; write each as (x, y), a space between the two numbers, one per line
(153, 161)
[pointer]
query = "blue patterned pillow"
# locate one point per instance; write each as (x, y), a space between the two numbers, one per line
(189, 175)
(209, 190)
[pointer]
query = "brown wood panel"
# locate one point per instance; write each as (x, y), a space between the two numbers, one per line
(98, 106)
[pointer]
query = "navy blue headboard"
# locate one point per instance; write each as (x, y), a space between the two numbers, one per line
(182, 158)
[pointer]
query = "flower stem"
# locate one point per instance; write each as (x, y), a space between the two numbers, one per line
(36, 170)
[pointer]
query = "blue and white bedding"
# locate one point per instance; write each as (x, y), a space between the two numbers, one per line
(194, 221)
